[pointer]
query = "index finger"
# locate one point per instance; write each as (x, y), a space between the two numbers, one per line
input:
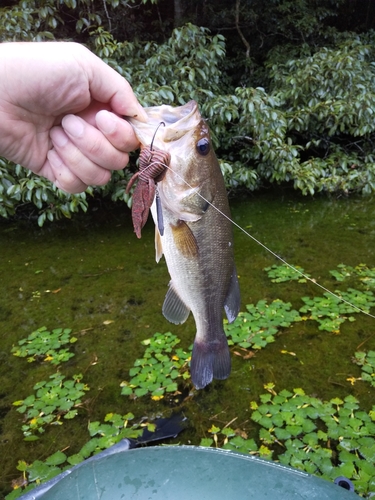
(118, 131)
(108, 86)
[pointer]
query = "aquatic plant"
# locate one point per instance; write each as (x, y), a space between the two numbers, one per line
(330, 312)
(367, 362)
(230, 439)
(280, 274)
(159, 369)
(365, 274)
(46, 345)
(258, 326)
(327, 438)
(333, 309)
(38, 472)
(52, 400)
(103, 435)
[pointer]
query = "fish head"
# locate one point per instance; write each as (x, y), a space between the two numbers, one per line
(189, 183)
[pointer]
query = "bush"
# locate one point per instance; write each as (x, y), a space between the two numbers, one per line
(313, 127)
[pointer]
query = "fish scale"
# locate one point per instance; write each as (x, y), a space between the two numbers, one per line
(197, 240)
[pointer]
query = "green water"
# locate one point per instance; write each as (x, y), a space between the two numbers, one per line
(93, 270)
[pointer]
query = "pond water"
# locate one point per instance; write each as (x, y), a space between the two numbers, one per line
(94, 276)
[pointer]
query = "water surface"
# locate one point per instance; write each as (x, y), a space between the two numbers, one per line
(84, 273)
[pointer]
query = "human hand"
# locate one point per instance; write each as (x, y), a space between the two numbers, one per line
(60, 113)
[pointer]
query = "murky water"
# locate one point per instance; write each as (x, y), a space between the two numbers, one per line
(84, 273)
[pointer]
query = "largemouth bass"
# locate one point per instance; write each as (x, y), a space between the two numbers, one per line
(196, 239)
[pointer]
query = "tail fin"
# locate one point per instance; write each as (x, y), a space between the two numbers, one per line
(210, 360)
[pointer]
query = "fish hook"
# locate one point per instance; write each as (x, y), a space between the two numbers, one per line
(153, 137)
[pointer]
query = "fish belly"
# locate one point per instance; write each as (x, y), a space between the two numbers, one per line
(203, 281)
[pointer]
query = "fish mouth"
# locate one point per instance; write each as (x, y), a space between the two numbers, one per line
(176, 121)
(171, 115)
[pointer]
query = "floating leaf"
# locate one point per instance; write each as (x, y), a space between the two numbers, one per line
(367, 363)
(330, 311)
(258, 326)
(159, 370)
(283, 273)
(56, 459)
(53, 398)
(292, 422)
(45, 345)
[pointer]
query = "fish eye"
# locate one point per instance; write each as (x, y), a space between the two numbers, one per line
(203, 146)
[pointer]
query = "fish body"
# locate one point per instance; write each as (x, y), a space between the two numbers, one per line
(196, 239)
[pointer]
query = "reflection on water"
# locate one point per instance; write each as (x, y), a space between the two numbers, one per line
(84, 273)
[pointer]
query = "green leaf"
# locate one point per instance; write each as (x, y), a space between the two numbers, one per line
(206, 442)
(57, 458)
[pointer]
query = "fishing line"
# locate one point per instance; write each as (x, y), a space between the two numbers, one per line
(268, 249)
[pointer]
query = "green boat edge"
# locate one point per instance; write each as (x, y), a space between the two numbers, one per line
(186, 472)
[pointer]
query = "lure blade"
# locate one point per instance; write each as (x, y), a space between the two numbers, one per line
(159, 213)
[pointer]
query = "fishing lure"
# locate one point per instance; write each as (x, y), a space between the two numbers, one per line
(152, 165)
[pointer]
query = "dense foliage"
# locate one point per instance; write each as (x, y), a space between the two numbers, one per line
(287, 87)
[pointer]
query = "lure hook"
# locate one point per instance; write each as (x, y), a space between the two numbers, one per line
(153, 137)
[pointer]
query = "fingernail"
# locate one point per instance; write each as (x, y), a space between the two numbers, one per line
(73, 125)
(105, 121)
(59, 137)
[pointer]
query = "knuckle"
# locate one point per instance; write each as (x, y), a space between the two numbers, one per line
(95, 148)
(102, 177)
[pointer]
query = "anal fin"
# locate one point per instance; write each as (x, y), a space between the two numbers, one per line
(174, 309)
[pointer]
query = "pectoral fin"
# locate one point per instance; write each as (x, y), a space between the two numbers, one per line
(233, 300)
(174, 309)
(184, 239)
